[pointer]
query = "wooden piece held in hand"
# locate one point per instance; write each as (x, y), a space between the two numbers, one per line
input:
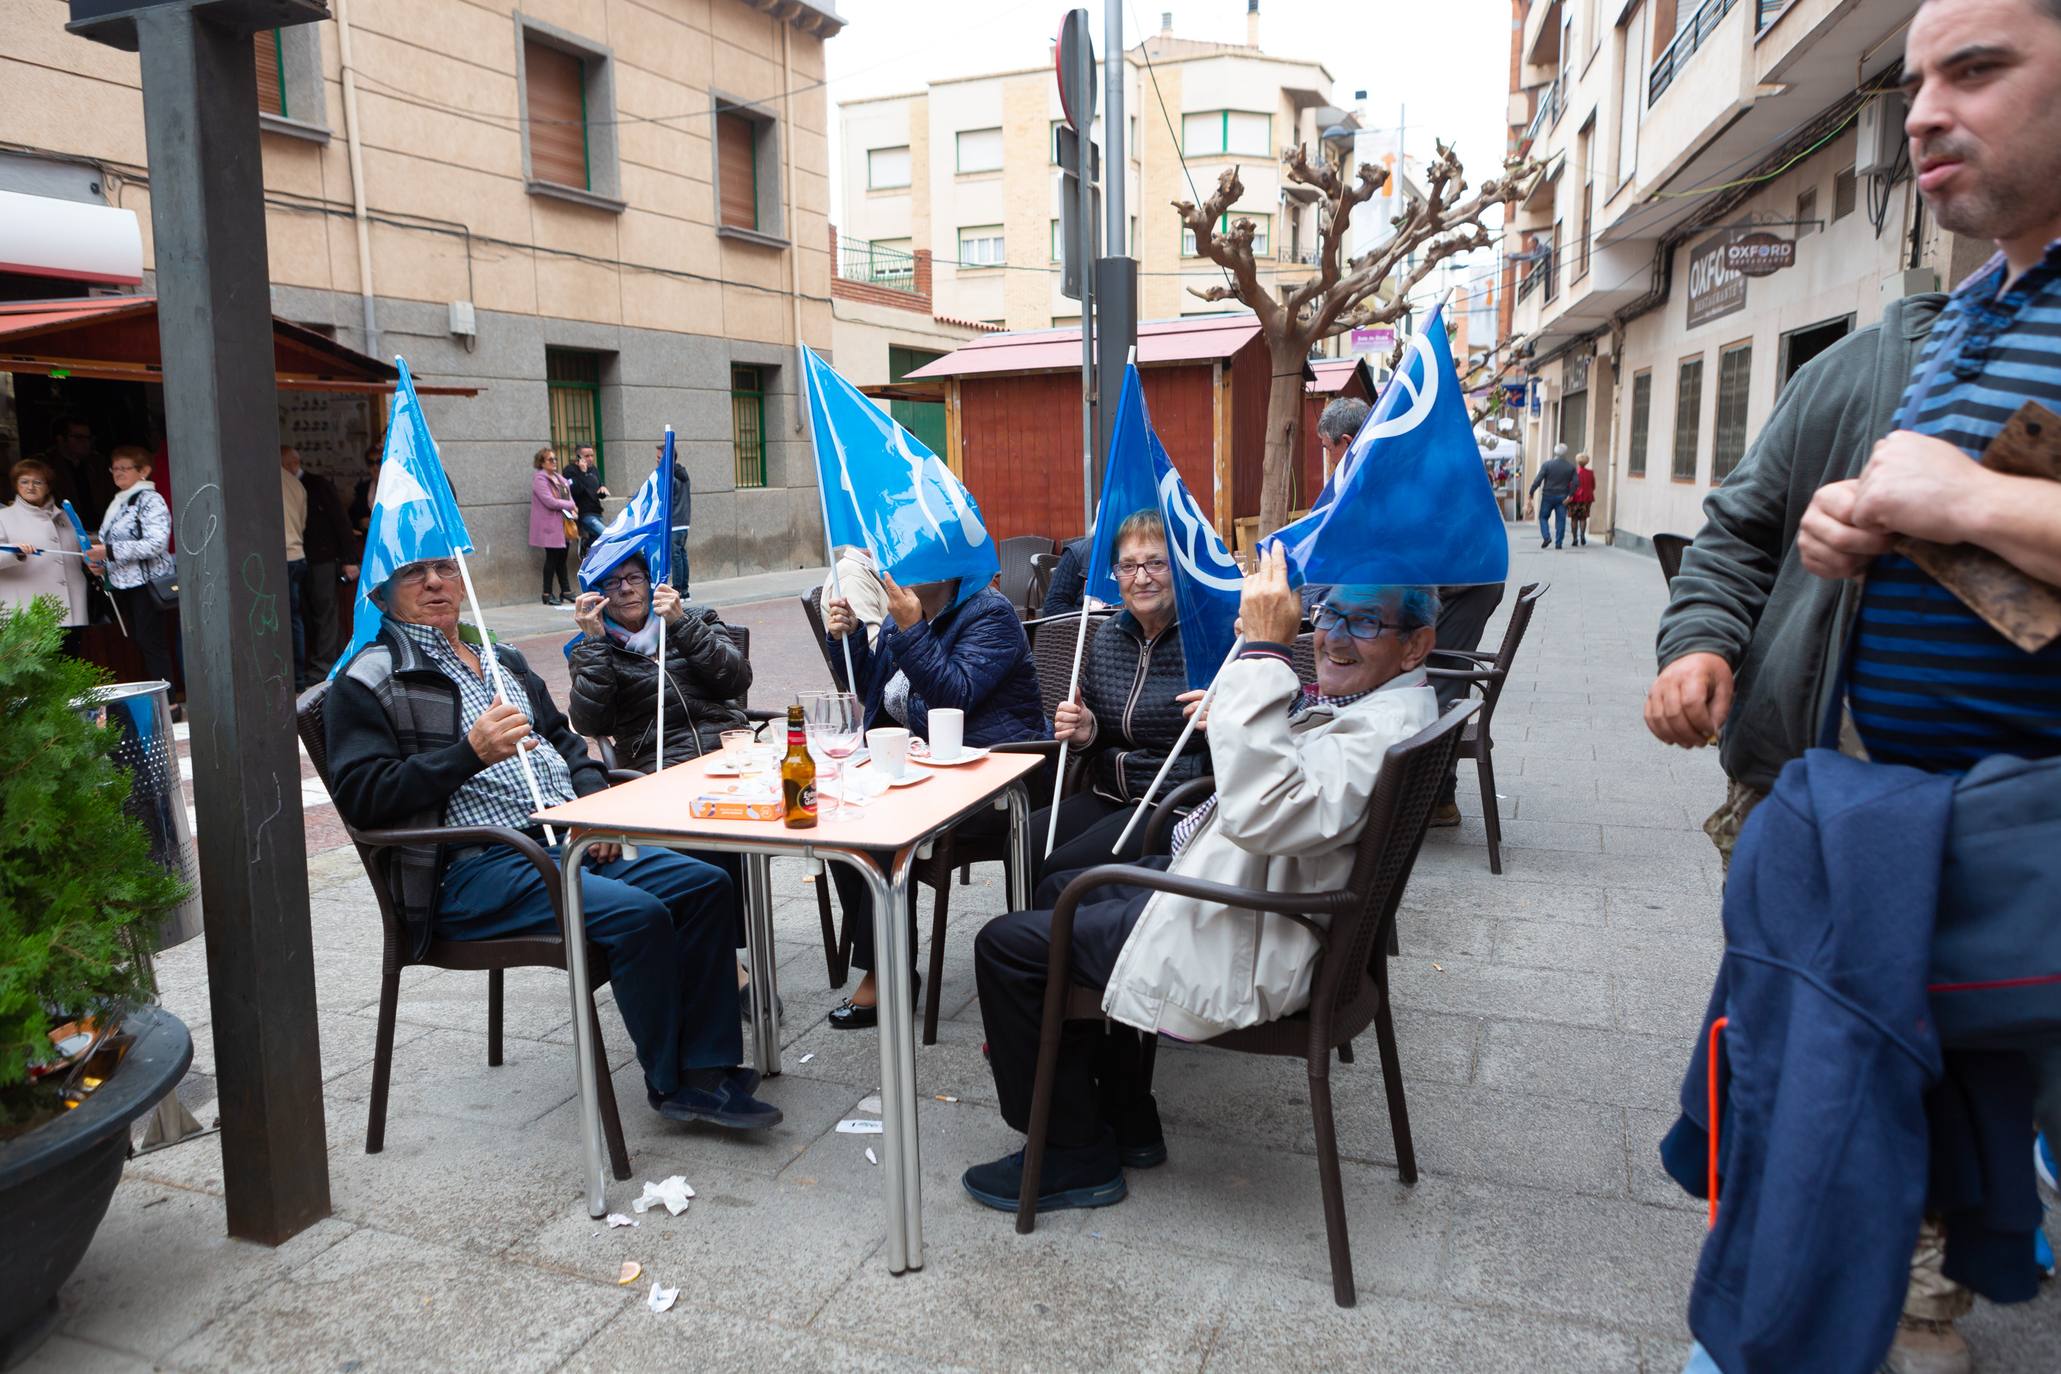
(2019, 607)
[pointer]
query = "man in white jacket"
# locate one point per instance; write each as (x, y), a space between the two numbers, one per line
(1295, 772)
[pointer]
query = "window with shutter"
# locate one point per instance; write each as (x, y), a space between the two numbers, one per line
(556, 82)
(1735, 373)
(979, 150)
(1688, 418)
(737, 169)
(1642, 416)
(887, 167)
(270, 53)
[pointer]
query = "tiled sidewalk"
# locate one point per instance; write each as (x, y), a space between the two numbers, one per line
(1545, 1018)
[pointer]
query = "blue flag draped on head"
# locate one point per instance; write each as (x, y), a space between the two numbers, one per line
(1140, 476)
(885, 492)
(644, 526)
(1409, 504)
(414, 514)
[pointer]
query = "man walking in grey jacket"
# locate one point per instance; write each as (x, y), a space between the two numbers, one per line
(1556, 474)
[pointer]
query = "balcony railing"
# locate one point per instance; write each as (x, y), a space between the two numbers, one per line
(1700, 27)
(861, 261)
(1552, 104)
(1540, 274)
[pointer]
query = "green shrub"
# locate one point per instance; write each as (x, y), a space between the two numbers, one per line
(79, 892)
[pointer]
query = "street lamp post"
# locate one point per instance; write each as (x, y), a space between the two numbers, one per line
(222, 426)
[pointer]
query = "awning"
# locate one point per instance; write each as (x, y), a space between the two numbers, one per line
(1334, 374)
(114, 338)
(1198, 338)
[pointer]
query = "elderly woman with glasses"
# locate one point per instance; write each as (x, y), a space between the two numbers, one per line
(615, 670)
(1129, 710)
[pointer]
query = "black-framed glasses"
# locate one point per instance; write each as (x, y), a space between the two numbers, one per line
(630, 581)
(415, 574)
(1156, 567)
(1358, 624)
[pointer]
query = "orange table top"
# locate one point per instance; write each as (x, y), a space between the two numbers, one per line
(658, 805)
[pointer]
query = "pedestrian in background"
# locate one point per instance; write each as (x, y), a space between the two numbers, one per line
(326, 542)
(1336, 427)
(41, 535)
(1556, 475)
(551, 523)
(135, 546)
(367, 490)
(1580, 499)
(294, 498)
(587, 492)
(683, 517)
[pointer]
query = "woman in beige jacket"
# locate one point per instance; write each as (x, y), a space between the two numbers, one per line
(42, 560)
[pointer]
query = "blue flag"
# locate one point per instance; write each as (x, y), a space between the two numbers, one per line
(645, 526)
(78, 527)
(1140, 476)
(414, 514)
(885, 492)
(1409, 504)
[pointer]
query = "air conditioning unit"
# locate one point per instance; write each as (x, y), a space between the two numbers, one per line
(1879, 135)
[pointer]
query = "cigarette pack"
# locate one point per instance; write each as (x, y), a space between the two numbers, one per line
(752, 800)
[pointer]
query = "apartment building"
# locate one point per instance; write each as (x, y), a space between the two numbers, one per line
(606, 215)
(1725, 195)
(968, 170)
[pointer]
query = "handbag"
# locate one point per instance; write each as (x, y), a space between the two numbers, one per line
(164, 590)
(1996, 942)
(572, 531)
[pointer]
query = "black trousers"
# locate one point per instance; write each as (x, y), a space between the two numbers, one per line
(146, 624)
(1463, 613)
(554, 567)
(857, 904)
(318, 609)
(1100, 1080)
(1088, 827)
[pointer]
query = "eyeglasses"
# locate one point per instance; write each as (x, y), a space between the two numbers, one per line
(635, 582)
(1358, 624)
(1156, 567)
(415, 574)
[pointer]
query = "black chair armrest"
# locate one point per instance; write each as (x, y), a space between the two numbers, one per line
(1302, 908)
(1474, 675)
(761, 715)
(1027, 746)
(1165, 812)
(470, 834)
(1473, 655)
(622, 775)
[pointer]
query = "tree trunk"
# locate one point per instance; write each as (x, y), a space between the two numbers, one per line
(1284, 434)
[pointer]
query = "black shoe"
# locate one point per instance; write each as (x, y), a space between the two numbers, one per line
(726, 1105)
(550, 601)
(849, 1015)
(744, 1004)
(1544, 542)
(1083, 1177)
(747, 1081)
(1140, 1143)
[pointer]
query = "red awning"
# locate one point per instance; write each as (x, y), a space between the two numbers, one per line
(114, 338)
(1200, 338)
(1334, 374)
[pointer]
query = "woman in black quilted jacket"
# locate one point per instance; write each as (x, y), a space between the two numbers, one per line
(615, 671)
(1129, 710)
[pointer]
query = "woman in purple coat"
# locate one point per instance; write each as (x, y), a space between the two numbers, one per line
(551, 506)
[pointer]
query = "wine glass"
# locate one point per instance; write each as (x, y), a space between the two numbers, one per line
(833, 720)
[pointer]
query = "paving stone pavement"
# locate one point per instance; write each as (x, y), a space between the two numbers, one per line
(1544, 1019)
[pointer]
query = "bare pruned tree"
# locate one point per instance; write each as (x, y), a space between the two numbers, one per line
(1343, 293)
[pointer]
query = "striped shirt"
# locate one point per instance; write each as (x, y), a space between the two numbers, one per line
(1930, 684)
(498, 794)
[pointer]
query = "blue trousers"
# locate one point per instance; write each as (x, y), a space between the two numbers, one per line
(590, 528)
(1554, 508)
(664, 922)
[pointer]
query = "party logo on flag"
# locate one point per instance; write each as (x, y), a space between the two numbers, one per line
(1409, 504)
(414, 515)
(1140, 476)
(885, 492)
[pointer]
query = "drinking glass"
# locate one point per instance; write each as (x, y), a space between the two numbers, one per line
(833, 721)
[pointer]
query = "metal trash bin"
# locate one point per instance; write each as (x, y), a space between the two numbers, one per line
(146, 751)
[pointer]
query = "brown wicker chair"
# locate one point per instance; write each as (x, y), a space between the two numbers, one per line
(490, 956)
(1489, 672)
(1015, 555)
(1043, 565)
(1348, 993)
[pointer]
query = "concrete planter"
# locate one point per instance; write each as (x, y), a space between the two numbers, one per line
(56, 1181)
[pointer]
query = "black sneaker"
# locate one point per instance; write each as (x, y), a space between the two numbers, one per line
(726, 1105)
(1085, 1177)
(744, 1004)
(747, 1081)
(1140, 1143)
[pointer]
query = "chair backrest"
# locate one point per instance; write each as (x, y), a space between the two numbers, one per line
(1043, 565)
(1304, 650)
(308, 722)
(812, 607)
(1669, 548)
(1016, 554)
(1412, 775)
(1052, 640)
(1506, 653)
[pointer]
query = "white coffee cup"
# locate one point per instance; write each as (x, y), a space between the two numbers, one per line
(947, 733)
(890, 746)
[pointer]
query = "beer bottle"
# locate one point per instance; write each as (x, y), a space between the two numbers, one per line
(798, 774)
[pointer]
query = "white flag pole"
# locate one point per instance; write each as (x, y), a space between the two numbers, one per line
(658, 762)
(486, 651)
(851, 678)
(1201, 709)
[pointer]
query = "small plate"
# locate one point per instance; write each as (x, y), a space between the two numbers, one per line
(967, 754)
(911, 777)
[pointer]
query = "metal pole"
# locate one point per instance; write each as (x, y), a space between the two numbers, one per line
(1084, 81)
(808, 403)
(1116, 129)
(222, 419)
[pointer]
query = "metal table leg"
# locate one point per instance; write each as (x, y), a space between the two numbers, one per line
(897, 1137)
(759, 961)
(583, 1024)
(899, 993)
(1019, 847)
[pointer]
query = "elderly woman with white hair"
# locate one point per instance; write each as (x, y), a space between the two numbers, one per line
(1295, 773)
